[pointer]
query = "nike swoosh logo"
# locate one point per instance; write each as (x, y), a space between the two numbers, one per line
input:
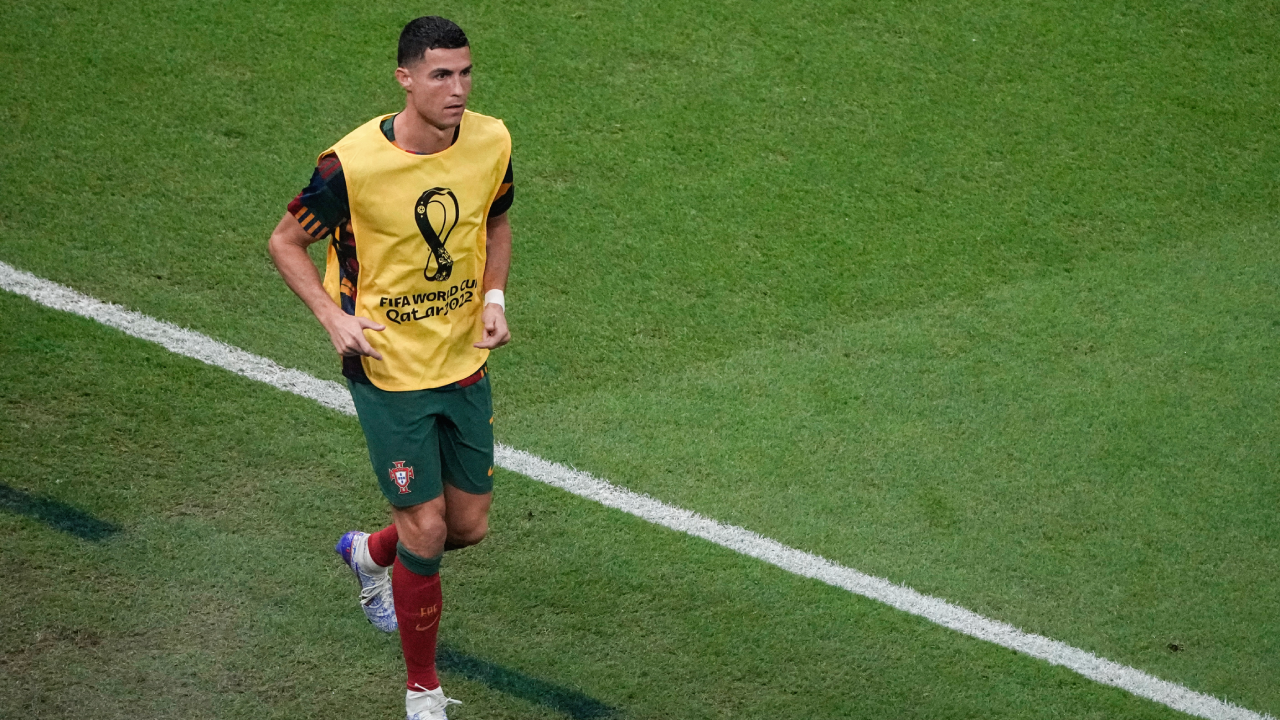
(427, 626)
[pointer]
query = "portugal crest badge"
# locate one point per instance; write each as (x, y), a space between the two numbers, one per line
(401, 475)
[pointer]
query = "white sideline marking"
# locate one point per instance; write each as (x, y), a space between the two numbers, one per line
(332, 395)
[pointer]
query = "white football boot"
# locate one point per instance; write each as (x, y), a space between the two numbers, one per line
(375, 580)
(427, 704)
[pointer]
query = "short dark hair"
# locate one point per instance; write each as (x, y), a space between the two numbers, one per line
(428, 33)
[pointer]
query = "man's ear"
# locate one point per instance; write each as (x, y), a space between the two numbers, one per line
(404, 78)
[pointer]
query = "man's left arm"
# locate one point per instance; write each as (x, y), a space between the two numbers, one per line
(497, 264)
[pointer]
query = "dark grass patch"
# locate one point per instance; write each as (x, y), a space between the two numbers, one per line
(57, 515)
(526, 687)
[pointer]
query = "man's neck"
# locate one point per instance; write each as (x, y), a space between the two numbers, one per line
(419, 136)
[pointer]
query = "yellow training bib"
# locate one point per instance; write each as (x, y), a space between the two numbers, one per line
(419, 223)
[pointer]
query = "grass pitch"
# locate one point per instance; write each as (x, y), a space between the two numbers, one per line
(220, 595)
(975, 297)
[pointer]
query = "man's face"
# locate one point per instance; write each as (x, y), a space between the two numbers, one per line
(438, 85)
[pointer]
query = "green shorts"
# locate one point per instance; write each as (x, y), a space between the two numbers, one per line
(420, 439)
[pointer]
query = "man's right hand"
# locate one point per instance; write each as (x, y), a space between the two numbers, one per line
(288, 247)
(347, 333)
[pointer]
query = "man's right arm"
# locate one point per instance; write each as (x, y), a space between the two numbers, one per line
(288, 247)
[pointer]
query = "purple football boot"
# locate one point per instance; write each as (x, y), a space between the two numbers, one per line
(375, 581)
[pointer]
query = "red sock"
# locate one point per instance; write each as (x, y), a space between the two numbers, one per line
(418, 604)
(382, 545)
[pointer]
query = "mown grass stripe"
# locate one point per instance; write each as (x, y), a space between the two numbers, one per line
(332, 395)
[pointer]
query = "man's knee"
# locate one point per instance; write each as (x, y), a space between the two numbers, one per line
(422, 533)
(471, 534)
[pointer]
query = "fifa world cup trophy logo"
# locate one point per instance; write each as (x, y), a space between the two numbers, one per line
(437, 214)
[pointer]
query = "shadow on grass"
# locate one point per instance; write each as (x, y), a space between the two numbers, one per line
(513, 682)
(57, 515)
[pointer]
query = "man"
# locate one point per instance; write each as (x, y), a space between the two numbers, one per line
(414, 207)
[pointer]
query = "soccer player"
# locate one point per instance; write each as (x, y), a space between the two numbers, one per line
(414, 207)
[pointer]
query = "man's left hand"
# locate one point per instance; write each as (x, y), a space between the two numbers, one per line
(494, 333)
